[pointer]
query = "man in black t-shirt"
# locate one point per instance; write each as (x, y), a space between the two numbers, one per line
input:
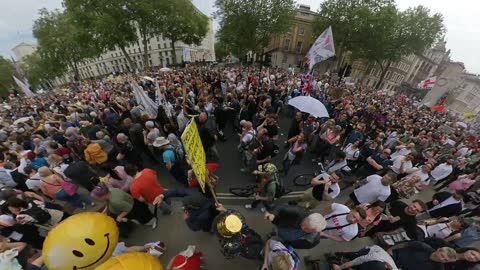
(401, 215)
(271, 126)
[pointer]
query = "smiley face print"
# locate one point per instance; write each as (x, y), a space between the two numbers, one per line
(81, 242)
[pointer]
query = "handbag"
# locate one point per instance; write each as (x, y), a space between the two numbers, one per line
(69, 187)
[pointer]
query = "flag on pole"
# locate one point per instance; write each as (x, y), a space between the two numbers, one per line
(23, 87)
(428, 83)
(322, 49)
(148, 106)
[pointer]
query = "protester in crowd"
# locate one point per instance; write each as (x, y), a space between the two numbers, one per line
(341, 222)
(375, 188)
(297, 227)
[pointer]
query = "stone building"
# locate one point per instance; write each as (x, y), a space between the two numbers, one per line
(289, 49)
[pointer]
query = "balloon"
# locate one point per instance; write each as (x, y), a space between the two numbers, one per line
(82, 241)
(132, 261)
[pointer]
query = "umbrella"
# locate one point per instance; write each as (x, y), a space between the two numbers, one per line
(165, 69)
(462, 124)
(148, 78)
(309, 105)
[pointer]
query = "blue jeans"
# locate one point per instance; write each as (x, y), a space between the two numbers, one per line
(178, 193)
(76, 199)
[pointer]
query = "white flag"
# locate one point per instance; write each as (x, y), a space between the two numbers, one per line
(322, 49)
(428, 83)
(160, 100)
(148, 106)
(23, 87)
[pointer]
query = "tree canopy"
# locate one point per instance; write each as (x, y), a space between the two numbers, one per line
(248, 25)
(377, 31)
(61, 43)
(7, 70)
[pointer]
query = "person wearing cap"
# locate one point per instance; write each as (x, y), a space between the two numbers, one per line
(170, 159)
(297, 226)
(267, 187)
(122, 206)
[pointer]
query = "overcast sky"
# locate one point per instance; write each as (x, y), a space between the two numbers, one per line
(461, 20)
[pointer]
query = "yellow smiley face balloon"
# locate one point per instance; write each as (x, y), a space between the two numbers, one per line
(132, 261)
(80, 242)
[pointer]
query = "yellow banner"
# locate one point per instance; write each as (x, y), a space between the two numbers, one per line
(195, 153)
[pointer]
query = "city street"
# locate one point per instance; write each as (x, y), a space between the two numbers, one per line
(177, 236)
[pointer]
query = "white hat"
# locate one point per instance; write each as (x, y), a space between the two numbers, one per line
(160, 141)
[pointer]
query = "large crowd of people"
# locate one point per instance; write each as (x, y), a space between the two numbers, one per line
(95, 143)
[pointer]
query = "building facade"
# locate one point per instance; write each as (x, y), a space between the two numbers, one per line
(289, 49)
(23, 50)
(159, 54)
(410, 69)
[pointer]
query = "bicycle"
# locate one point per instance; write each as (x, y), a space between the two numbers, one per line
(303, 180)
(245, 191)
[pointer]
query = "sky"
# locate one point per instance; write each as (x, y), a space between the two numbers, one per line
(460, 18)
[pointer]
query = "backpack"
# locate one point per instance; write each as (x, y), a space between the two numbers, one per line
(252, 244)
(40, 215)
(279, 188)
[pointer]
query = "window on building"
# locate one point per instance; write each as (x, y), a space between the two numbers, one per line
(372, 72)
(301, 31)
(134, 50)
(286, 44)
(151, 63)
(290, 30)
(387, 75)
(168, 61)
(158, 46)
(164, 45)
(149, 48)
(158, 39)
(299, 46)
(111, 55)
(129, 51)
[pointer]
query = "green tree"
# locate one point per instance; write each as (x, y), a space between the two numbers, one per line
(221, 50)
(388, 34)
(61, 43)
(39, 71)
(343, 16)
(248, 25)
(182, 22)
(7, 70)
(107, 22)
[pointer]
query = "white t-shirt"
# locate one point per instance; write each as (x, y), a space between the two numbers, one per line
(351, 153)
(372, 191)
(441, 171)
(34, 182)
(335, 190)
(397, 163)
(440, 230)
(336, 221)
(400, 152)
(424, 177)
(248, 137)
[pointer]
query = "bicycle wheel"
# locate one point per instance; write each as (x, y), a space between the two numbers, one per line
(303, 180)
(242, 191)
